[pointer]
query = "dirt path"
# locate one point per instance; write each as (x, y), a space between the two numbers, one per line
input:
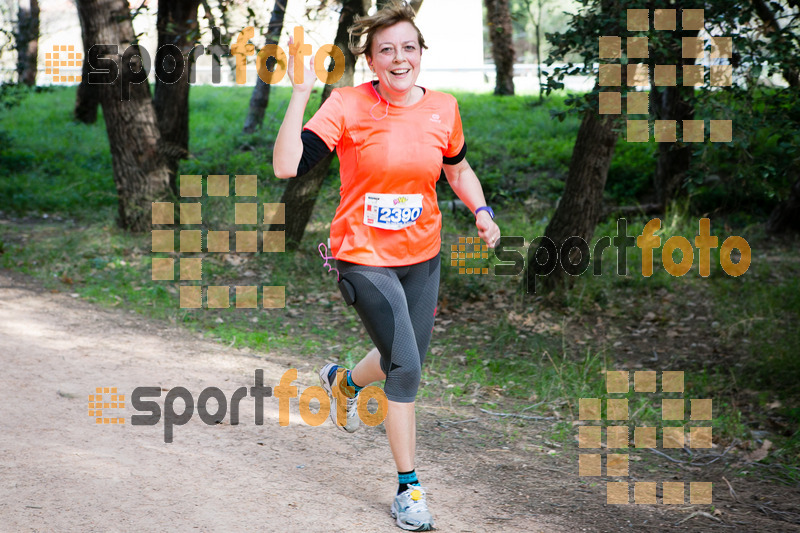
(61, 472)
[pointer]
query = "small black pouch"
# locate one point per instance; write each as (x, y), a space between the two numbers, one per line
(348, 291)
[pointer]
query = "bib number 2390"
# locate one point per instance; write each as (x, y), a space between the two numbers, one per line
(392, 211)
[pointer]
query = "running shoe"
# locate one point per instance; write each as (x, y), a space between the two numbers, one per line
(411, 510)
(328, 383)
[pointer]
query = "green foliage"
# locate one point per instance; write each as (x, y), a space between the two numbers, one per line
(50, 164)
(765, 319)
(753, 172)
(630, 176)
(11, 94)
(46, 171)
(579, 43)
(514, 146)
(758, 168)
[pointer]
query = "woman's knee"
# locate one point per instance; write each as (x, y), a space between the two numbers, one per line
(403, 380)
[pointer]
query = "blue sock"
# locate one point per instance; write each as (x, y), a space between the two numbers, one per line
(348, 383)
(404, 479)
(351, 384)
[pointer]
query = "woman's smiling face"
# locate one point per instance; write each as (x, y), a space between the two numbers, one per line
(396, 56)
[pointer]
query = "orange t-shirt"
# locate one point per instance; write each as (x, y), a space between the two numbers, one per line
(386, 165)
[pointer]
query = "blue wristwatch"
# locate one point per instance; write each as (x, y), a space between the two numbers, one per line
(487, 209)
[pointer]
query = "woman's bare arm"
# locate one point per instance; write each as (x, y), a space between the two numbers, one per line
(468, 188)
(288, 149)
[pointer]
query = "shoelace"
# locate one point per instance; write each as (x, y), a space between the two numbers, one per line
(417, 506)
(350, 403)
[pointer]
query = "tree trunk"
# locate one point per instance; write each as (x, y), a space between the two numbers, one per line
(177, 25)
(538, 26)
(259, 100)
(350, 9)
(87, 99)
(580, 206)
(27, 38)
(501, 35)
(218, 51)
(301, 192)
(674, 158)
(672, 103)
(140, 173)
(786, 215)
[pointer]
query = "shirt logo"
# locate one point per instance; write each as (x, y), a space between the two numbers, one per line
(435, 118)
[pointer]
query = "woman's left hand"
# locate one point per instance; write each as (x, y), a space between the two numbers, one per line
(487, 229)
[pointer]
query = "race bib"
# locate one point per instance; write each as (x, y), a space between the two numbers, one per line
(392, 211)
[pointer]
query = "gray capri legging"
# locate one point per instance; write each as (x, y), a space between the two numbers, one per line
(397, 306)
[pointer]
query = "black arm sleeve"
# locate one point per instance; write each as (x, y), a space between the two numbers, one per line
(456, 158)
(314, 150)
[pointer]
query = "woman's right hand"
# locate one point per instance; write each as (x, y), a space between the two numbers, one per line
(309, 75)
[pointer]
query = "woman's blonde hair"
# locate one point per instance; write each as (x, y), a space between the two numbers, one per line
(394, 12)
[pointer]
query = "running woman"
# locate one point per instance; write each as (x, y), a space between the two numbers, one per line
(393, 138)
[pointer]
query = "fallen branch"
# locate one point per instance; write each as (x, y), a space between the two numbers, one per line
(778, 466)
(730, 488)
(786, 516)
(692, 462)
(556, 470)
(514, 415)
(454, 422)
(509, 517)
(700, 513)
(717, 457)
(662, 454)
(532, 406)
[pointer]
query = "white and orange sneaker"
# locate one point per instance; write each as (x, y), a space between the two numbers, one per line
(328, 383)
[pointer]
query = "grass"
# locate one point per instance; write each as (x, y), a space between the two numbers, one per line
(531, 354)
(45, 170)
